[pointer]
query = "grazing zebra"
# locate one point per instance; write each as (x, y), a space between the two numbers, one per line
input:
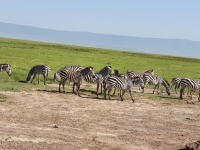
(75, 77)
(99, 77)
(73, 68)
(39, 69)
(6, 68)
(132, 74)
(156, 80)
(123, 84)
(190, 83)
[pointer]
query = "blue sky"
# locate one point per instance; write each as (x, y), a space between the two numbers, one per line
(171, 19)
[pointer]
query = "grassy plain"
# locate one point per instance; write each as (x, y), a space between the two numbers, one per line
(22, 55)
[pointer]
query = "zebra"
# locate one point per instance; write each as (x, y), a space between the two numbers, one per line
(156, 80)
(39, 69)
(73, 68)
(190, 83)
(75, 77)
(6, 68)
(116, 73)
(99, 77)
(175, 81)
(123, 84)
(132, 74)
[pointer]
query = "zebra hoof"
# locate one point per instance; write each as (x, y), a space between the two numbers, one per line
(199, 99)
(133, 101)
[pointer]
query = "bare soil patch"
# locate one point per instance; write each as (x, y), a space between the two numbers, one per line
(50, 120)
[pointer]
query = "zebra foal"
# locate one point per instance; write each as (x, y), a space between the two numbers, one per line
(156, 80)
(75, 77)
(193, 85)
(123, 84)
(6, 68)
(38, 69)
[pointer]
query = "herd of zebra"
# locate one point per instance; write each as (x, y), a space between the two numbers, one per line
(108, 79)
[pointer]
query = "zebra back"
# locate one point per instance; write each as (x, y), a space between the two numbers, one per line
(75, 76)
(187, 82)
(73, 68)
(134, 74)
(99, 76)
(7, 68)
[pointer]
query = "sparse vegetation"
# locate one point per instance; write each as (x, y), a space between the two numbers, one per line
(22, 55)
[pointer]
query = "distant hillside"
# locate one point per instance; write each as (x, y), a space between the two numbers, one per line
(174, 47)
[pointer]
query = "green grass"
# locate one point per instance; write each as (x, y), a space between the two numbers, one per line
(22, 55)
(3, 98)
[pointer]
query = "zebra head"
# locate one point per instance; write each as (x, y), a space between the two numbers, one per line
(8, 69)
(88, 71)
(139, 80)
(31, 72)
(166, 85)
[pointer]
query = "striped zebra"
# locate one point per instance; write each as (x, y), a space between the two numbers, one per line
(99, 77)
(124, 84)
(75, 77)
(6, 68)
(116, 73)
(133, 74)
(193, 85)
(175, 82)
(39, 69)
(156, 80)
(73, 68)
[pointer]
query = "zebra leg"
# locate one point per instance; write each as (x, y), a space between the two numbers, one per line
(38, 78)
(181, 93)
(199, 96)
(105, 92)
(175, 89)
(130, 92)
(122, 94)
(44, 79)
(59, 86)
(97, 89)
(154, 88)
(73, 87)
(158, 88)
(33, 78)
(78, 89)
(109, 90)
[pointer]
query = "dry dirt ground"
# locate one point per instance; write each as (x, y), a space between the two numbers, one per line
(52, 121)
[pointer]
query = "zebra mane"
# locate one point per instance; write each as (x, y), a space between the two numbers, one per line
(104, 68)
(166, 82)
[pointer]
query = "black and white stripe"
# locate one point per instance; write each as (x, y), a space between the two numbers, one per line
(75, 77)
(156, 80)
(191, 84)
(134, 74)
(99, 77)
(123, 84)
(6, 68)
(175, 82)
(39, 69)
(73, 68)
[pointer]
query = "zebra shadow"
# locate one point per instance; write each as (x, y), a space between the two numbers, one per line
(22, 81)
(49, 91)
